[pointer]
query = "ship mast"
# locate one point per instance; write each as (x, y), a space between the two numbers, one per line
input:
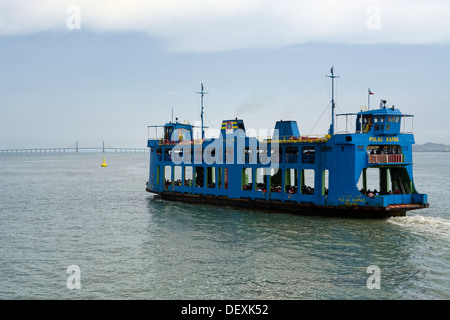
(202, 94)
(332, 99)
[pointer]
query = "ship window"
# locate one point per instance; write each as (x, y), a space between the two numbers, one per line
(261, 179)
(247, 179)
(369, 180)
(167, 175)
(268, 178)
(308, 154)
(275, 179)
(325, 182)
(188, 155)
(307, 181)
(213, 155)
(159, 153)
(219, 177)
(367, 119)
(385, 150)
(381, 119)
(265, 156)
(375, 119)
(188, 176)
(388, 127)
(229, 155)
(225, 177)
(290, 181)
(291, 154)
(249, 155)
(397, 119)
(276, 156)
(210, 177)
(199, 176)
(219, 156)
(177, 175)
(210, 155)
(167, 154)
(177, 156)
(157, 175)
(198, 157)
(168, 133)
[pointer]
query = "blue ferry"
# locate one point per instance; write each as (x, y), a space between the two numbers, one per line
(365, 172)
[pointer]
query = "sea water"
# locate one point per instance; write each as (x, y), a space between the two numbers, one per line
(71, 229)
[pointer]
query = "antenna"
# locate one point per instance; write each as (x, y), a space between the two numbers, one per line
(202, 94)
(332, 99)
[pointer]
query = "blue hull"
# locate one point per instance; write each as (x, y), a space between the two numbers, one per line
(292, 207)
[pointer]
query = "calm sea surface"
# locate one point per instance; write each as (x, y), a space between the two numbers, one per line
(63, 211)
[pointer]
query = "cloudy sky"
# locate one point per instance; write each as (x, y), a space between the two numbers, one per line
(103, 70)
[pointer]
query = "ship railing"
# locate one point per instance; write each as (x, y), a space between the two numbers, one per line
(397, 199)
(386, 158)
(293, 139)
(157, 135)
(406, 123)
(170, 142)
(349, 127)
(283, 139)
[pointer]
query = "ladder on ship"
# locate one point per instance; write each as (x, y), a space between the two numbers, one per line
(398, 177)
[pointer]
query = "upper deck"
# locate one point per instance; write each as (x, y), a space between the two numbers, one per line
(377, 122)
(383, 133)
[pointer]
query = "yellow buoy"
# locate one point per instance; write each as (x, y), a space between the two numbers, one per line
(104, 163)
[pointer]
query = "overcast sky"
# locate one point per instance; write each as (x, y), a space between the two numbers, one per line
(103, 70)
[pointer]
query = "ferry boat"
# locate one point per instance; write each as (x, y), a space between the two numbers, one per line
(366, 172)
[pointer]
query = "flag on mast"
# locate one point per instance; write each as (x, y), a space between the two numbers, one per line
(368, 98)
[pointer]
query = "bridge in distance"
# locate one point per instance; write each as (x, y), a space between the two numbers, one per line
(74, 149)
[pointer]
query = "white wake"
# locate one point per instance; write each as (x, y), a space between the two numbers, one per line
(424, 225)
